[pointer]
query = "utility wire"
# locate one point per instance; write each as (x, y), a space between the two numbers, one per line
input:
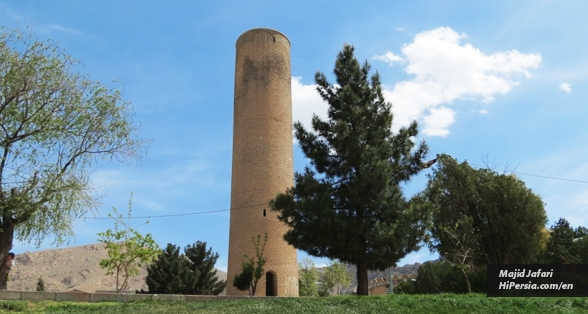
(224, 210)
(538, 176)
(174, 215)
(546, 177)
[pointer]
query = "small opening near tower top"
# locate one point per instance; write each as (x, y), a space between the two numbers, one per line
(264, 213)
(274, 38)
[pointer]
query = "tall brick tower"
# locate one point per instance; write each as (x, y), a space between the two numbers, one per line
(262, 159)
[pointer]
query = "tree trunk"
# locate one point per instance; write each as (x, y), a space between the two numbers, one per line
(465, 275)
(117, 275)
(362, 279)
(6, 237)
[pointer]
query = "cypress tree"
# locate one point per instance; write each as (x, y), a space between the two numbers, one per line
(347, 204)
(170, 273)
(561, 248)
(202, 265)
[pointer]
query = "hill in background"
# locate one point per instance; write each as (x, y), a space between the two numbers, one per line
(78, 268)
(70, 268)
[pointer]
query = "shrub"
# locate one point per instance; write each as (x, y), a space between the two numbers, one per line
(40, 284)
(406, 287)
(445, 278)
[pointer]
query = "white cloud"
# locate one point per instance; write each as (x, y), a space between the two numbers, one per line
(63, 29)
(438, 120)
(566, 87)
(389, 57)
(151, 205)
(306, 101)
(444, 70)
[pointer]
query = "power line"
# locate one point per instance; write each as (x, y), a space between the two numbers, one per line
(174, 215)
(223, 210)
(539, 176)
(553, 178)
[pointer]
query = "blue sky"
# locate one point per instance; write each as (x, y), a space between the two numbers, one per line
(502, 81)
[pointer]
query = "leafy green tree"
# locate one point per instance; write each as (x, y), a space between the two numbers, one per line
(335, 278)
(566, 245)
(348, 204)
(252, 268)
(507, 217)
(464, 245)
(55, 126)
(127, 249)
(40, 284)
(545, 238)
(307, 278)
(243, 281)
(170, 273)
(201, 264)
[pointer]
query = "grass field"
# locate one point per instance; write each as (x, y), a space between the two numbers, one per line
(437, 304)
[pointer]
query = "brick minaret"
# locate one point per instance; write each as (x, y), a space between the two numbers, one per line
(262, 159)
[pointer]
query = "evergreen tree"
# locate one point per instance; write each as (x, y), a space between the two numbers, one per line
(581, 246)
(170, 273)
(348, 204)
(566, 245)
(202, 264)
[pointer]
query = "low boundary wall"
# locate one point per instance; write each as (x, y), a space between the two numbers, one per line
(108, 297)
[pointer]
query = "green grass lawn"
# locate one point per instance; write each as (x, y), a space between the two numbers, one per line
(437, 304)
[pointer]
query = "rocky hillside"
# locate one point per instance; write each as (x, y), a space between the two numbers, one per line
(67, 269)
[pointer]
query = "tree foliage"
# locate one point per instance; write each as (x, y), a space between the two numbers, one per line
(507, 217)
(444, 278)
(170, 273)
(566, 245)
(243, 281)
(55, 126)
(40, 284)
(435, 278)
(252, 267)
(347, 204)
(307, 278)
(127, 249)
(464, 245)
(192, 273)
(201, 264)
(334, 279)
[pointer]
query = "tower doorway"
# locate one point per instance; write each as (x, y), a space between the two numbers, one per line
(271, 284)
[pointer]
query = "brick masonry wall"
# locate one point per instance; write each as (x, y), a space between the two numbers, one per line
(262, 157)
